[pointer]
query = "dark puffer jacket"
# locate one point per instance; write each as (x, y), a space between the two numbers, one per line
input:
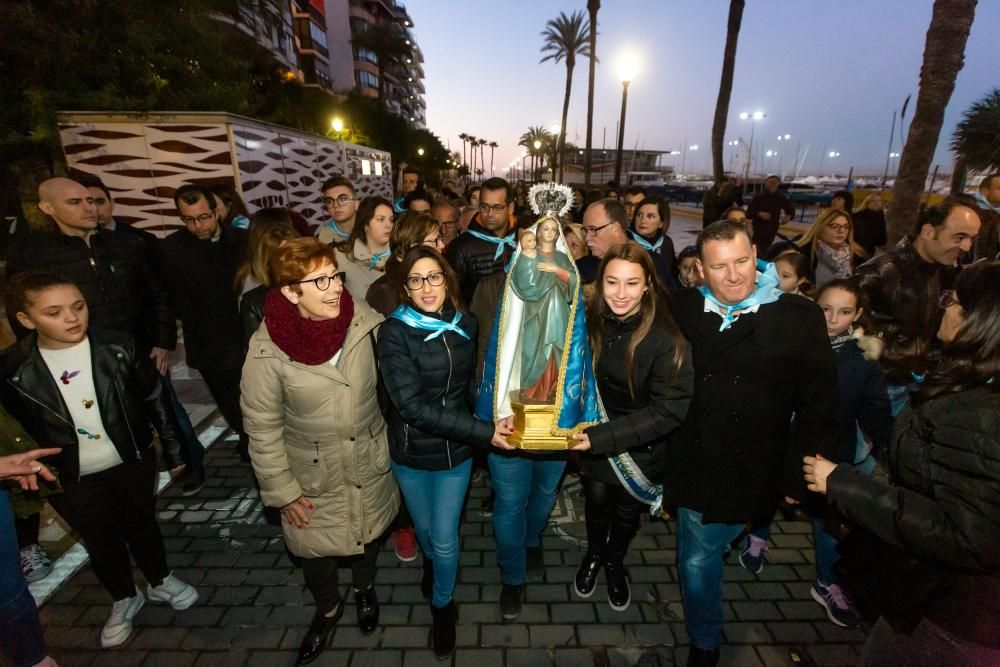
(129, 395)
(902, 292)
(429, 383)
(640, 425)
(942, 506)
(473, 259)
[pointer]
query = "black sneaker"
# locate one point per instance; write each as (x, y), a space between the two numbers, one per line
(586, 575)
(486, 507)
(511, 598)
(193, 482)
(619, 594)
(702, 657)
(535, 564)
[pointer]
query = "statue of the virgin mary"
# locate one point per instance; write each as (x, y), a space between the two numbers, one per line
(538, 364)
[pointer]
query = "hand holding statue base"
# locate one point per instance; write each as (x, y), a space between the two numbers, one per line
(533, 427)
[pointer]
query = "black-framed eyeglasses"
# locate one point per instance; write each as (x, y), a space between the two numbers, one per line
(323, 283)
(838, 227)
(492, 208)
(947, 299)
(592, 231)
(342, 200)
(416, 282)
(203, 218)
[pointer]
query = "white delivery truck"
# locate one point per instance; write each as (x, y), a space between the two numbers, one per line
(144, 157)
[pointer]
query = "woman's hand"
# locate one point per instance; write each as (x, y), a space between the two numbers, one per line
(295, 512)
(25, 468)
(816, 470)
(583, 443)
(503, 428)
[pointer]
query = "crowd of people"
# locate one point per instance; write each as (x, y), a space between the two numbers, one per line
(829, 374)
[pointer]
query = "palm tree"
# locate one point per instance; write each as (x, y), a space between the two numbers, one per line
(493, 146)
(565, 38)
(725, 88)
(944, 55)
(472, 152)
(528, 139)
(387, 41)
(976, 142)
(482, 156)
(464, 137)
(592, 7)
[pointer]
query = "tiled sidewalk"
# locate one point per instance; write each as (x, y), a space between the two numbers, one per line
(254, 608)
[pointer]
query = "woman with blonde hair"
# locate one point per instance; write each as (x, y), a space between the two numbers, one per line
(269, 227)
(409, 231)
(576, 240)
(830, 247)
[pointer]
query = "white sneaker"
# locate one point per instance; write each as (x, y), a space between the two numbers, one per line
(119, 625)
(174, 592)
(35, 563)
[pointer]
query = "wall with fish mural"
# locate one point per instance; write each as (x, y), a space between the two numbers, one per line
(144, 158)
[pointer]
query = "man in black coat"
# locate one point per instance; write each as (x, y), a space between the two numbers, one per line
(487, 245)
(199, 263)
(765, 211)
(191, 447)
(759, 359)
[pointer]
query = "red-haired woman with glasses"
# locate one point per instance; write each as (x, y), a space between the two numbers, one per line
(317, 436)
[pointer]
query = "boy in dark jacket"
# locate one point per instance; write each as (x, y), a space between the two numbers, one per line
(92, 395)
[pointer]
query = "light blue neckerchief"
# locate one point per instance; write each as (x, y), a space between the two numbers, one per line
(407, 315)
(377, 257)
(336, 230)
(766, 292)
(985, 203)
(241, 222)
(499, 241)
(650, 247)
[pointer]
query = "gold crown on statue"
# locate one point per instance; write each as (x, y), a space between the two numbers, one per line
(550, 199)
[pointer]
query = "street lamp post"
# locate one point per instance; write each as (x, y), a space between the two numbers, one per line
(754, 117)
(627, 69)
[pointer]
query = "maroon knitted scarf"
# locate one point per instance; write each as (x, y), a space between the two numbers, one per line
(310, 342)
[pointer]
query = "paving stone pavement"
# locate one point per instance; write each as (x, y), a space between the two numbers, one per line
(254, 608)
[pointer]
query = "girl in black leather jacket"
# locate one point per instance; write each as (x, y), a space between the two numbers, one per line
(645, 378)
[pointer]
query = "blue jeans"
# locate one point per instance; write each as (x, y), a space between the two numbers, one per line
(20, 632)
(699, 559)
(191, 450)
(525, 487)
(435, 499)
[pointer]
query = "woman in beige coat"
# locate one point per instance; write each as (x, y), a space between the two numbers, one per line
(317, 436)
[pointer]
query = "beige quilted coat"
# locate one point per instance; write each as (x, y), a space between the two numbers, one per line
(317, 431)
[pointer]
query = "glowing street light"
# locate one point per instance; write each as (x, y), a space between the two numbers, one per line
(628, 67)
(420, 152)
(338, 125)
(537, 144)
(771, 153)
(784, 137)
(893, 155)
(833, 154)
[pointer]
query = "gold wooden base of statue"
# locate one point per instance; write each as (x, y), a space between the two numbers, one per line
(532, 421)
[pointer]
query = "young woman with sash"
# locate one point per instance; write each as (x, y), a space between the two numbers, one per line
(427, 357)
(645, 379)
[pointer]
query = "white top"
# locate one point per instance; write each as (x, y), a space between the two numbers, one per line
(72, 371)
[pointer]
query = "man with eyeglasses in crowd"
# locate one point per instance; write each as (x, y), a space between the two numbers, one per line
(486, 247)
(199, 264)
(902, 288)
(605, 224)
(447, 215)
(341, 203)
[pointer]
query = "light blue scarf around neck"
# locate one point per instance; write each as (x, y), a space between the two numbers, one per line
(766, 292)
(650, 247)
(500, 241)
(417, 320)
(378, 257)
(985, 203)
(336, 230)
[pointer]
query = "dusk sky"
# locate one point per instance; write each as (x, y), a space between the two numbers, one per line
(828, 73)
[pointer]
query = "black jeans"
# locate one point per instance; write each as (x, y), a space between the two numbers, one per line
(612, 518)
(114, 511)
(224, 385)
(321, 574)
